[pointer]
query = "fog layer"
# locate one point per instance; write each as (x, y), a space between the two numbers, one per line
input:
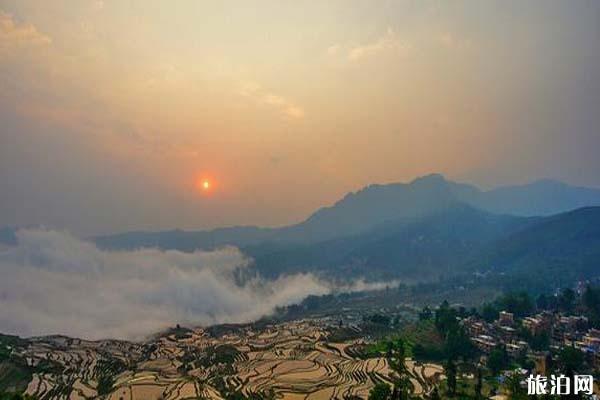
(54, 283)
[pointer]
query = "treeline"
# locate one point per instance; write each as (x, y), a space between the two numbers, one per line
(567, 301)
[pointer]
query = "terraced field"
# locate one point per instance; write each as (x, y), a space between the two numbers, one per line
(292, 361)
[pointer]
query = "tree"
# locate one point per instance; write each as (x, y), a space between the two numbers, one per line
(451, 377)
(402, 387)
(395, 355)
(520, 304)
(489, 313)
(425, 314)
(435, 395)
(591, 302)
(458, 344)
(479, 384)
(566, 300)
(380, 391)
(497, 360)
(379, 319)
(445, 318)
(542, 302)
(570, 360)
(456, 341)
(389, 352)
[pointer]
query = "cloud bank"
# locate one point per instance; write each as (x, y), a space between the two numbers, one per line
(15, 35)
(54, 283)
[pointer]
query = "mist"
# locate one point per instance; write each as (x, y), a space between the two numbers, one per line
(55, 283)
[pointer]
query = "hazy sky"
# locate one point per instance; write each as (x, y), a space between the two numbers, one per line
(111, 112)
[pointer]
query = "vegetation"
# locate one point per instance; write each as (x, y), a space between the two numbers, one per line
(13, 376)
(380, 391)
(224, 354)
(591, 305)
(498, 360)
(456, 341)
(15, 396)
(106, 370)
(450, 369)
(105, 384)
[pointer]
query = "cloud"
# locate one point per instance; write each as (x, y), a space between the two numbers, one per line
(286, 107)
(390, 41)
(19, 35)
(54, 283)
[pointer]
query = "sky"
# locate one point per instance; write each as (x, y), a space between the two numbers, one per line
(113, 113)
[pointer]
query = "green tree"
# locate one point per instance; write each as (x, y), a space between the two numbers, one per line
(402, 387)
(425, 314)
(451, 377)
(380, 391)
(591, 303)
(497, 360)
(458, 344)
(478, 384)
(520, 304)
(571, 359)
(456, 341)
(566, 300)
(489, 313)
(395, 355)
(445, 318)
(542, 302)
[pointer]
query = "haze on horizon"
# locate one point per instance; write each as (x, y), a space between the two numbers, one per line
(112, 113)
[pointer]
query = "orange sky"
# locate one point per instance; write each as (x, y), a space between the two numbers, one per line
(113, 111)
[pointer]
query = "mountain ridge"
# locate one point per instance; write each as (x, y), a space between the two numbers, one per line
(372, 205)
(362, 210)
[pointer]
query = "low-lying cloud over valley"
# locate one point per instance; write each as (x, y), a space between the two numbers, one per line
(55, 283)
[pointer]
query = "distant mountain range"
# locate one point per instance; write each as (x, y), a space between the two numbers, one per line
(422, 229)
(372, 206)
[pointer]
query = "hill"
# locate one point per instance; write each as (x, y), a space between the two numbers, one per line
(543, 197)
(458, 240)
(559, 248)
(409, 248)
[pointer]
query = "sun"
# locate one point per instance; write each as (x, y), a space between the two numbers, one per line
(205, 185)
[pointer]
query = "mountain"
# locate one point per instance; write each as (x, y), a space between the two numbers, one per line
(410, 248)
(362, 211)
(544, 251)
(562, 247)
(438, 244)
(543, 197)
(419, 230)
(355, 213)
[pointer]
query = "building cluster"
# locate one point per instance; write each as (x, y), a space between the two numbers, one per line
(561, 331)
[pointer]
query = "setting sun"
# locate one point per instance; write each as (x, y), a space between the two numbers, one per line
(205, 185)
